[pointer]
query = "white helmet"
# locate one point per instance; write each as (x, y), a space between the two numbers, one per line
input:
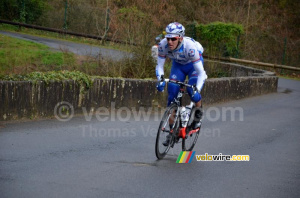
(174, 29)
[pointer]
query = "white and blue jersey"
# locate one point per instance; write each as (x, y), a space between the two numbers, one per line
(187, 60)
(186, 53)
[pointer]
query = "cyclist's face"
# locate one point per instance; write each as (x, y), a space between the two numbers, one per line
(173, 42)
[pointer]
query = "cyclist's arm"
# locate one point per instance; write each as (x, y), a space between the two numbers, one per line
(195, 56)
(161, 59)
(197, 59)
(198, 65)
(160, 66)
(199, 47)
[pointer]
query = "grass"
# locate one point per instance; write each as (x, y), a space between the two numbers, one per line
(290, 77)
(20, 56)
(31, 60)
(46, 34)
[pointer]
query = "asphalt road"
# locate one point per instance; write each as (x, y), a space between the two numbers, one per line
(82, 158)
(77, 48)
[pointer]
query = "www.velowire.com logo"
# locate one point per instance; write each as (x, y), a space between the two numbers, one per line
(221, 158)
(185, 157)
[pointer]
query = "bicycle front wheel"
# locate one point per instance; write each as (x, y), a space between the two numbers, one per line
(165, 127)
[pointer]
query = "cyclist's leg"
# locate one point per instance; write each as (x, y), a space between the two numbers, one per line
(192, 81)
(177, 73)
(193, 77)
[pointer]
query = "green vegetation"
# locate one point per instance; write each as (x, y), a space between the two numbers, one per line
(220, 38)
(254, 30)
(84, 80)
(270, 28)
(290, 77)
(26, 11)
(46, 34)
(23, 57)
(19, 56)
(218, 73)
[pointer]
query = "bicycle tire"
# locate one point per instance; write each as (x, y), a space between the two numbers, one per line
(163, 131)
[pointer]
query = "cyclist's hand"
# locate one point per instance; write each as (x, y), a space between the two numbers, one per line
(195, 90)
(160, 86)
(196, 94)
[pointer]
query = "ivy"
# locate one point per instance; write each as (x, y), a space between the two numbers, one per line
(82, 79)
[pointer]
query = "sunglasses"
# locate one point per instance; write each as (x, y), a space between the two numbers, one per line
(172, 39)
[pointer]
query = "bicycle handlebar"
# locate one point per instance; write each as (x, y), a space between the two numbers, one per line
(180, 83)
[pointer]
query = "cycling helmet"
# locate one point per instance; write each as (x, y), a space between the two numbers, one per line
(174, 29)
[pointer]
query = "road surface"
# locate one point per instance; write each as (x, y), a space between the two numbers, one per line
(87, 157)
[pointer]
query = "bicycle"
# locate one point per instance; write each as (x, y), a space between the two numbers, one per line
(177, 122)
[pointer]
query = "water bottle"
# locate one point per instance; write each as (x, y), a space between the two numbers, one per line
(184, 114)
(188, 110)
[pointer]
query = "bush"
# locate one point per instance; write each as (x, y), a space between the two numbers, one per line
(25, 11)
(219, 38)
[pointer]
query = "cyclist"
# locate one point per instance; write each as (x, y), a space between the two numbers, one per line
(154, 49)
(187, 60)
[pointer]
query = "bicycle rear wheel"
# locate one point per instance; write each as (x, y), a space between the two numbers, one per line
(164, 129)
(190, 140)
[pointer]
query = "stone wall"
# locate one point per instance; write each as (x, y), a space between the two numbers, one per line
(30, 100)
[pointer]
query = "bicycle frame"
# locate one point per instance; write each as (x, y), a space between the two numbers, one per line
(178, 100)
